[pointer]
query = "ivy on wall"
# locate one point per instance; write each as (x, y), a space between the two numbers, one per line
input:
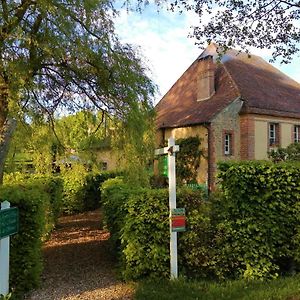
(188, 159)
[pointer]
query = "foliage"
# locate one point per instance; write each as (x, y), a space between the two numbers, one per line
(57, 55)
(279, 289)
(74, 184)
(257, 219)
(188, 159)
(114, 194)
(26, 260)
(82, 189)
(134, 140)
(138, 222)
(290, 153)
(266, 25)
(145, 235)
(52, 185)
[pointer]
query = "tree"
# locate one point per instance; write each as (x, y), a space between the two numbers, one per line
(56, 53)
(271, 24)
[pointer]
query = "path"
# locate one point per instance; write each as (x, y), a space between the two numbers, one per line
(78, 263)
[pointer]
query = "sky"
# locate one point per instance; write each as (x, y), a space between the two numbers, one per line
(163, 40)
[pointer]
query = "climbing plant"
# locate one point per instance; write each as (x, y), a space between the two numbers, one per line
(188, 159)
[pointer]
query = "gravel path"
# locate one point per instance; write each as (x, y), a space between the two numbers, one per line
(78, 262)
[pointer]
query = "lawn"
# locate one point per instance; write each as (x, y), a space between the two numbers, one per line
(284, 288)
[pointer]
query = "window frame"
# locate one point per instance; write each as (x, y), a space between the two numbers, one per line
(273, 134)
(296, 134)
(228, 144)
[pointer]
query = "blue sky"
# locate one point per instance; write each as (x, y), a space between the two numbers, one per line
(167, 50)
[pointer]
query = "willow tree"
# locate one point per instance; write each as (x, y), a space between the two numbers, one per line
(64, 53)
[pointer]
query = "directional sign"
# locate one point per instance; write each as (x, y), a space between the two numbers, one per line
(9, 221)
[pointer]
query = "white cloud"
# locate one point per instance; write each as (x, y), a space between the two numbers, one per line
(163, 38)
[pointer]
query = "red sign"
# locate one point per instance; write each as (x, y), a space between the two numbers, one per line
(178, 220)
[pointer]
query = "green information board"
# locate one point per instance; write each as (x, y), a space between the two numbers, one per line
(163, 165)
(9, 221)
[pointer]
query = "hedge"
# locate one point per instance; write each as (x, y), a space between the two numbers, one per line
(25, 250)
(82, 189)
(52, 185)
(250, 229)
(139, 224)
(257, 219)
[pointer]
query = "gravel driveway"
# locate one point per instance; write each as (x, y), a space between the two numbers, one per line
(79, 264)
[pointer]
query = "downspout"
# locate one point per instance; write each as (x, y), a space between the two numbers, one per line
(209, 156)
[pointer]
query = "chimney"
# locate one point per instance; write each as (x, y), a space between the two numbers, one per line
(206, 78)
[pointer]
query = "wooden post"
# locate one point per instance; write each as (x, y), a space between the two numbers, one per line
(171, 150)
(4, 259)
(172, 205)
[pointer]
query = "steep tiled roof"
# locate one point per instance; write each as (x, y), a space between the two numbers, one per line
(264, 89)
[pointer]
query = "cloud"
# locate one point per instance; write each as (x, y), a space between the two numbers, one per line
(163, 39)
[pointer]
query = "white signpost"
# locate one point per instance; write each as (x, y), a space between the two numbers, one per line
(4, 259)
(171, 150)
(9, 225)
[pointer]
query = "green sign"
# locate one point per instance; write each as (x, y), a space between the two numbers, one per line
(163, 165)
(9, 221)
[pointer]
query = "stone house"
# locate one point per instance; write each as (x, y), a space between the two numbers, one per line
(241, 107)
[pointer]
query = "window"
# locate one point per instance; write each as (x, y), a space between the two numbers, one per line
(273, 134)
(228, 143)
(297, 134)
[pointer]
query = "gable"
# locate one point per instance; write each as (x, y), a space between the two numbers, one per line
(179, 107)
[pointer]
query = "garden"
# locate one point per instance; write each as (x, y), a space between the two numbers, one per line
(241, 242)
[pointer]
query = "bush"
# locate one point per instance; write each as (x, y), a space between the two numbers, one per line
(138, 220)
(52, 185)
(25, 249)
(145, 235)
(251, 229)
(115, 194)
(256, 219)
(82, 189)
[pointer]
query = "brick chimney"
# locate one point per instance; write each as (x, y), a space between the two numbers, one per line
(206, 78)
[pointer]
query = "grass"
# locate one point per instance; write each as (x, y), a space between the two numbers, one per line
(284, 289)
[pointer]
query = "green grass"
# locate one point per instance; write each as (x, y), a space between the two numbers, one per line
(283, 288)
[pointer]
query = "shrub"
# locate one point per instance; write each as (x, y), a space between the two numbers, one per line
(139, 218)
(52, 185)
(256, 219)
(82, 189)
(115, 194)
(145, 235)
(25, 250)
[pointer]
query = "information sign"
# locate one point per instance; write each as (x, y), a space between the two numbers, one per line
(178, 220)
(9, 221)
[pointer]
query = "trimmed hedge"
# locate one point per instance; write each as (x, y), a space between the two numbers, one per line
(82, 189)
(251, 229)
(257, 219)
(25, 250)
(51, 184)
(138, 220)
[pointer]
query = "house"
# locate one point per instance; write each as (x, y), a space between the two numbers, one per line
(239, 105)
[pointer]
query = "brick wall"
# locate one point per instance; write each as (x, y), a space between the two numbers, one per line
(247, 128)
(226, 121)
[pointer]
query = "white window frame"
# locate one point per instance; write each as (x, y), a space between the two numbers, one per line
(272, 134)
(296, 133)
(227, 143)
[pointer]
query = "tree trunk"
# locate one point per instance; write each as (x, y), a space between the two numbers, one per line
(7, 126)
(6, 135)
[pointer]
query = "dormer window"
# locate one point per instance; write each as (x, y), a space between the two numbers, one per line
(273, 134)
